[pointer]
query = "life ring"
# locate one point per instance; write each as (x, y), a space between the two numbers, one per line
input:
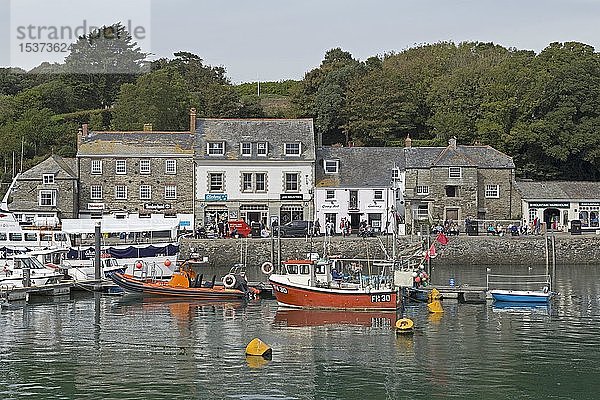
(267, 268)
(229, 281)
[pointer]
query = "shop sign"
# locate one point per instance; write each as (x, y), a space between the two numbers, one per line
(215, 197)
(157, 206)
(290, 196)
(375, 206)
(95, 206)
(330, 206)
(590, 204)
(549, 205)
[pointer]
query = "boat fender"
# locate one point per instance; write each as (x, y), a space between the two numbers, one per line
(138, 264)
(229, 281)
(267, 268)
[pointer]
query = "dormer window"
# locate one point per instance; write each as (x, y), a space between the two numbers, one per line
(378, 195)
(454, 172)
(48, 179)
(215, 148)
(261, 149)
(331, 166)
(396, 174)
(246, 149)
(292, 149)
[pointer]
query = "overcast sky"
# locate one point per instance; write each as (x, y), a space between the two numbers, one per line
(283, 39)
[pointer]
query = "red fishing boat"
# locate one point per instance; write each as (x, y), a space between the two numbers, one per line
(346, 284)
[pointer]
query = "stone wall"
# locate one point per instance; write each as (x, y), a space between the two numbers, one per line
(468, 250)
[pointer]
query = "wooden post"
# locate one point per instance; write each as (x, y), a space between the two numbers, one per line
(553, 261)
(98, 235)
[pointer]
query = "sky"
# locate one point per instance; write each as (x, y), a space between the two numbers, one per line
(284, 39)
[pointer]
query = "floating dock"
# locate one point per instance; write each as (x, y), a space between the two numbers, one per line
(56, 289)
(464, 293)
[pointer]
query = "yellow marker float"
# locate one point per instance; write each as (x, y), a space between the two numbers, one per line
(258, 348)
(404, 325)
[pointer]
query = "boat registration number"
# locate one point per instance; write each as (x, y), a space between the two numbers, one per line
(381, 298)
(280, 289)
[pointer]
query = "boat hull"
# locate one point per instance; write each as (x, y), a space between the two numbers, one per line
(160, 288)
(521, 296)
(308, 297)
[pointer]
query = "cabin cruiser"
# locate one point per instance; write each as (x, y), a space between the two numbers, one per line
(16, 268)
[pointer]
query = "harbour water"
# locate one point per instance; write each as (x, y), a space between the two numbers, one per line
(91, 346)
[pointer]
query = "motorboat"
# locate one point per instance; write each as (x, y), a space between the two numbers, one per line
(21, 270)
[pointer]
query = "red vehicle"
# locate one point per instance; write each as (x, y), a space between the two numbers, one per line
(243, 229)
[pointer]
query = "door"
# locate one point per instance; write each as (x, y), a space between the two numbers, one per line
(353, 200)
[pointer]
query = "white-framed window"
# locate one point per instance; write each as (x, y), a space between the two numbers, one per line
(262, 148)
(170, 192)
(260, 181)
(292, 149)
(215, 148)
(121, 192)
(533, 212)
(378, 195)
(254, 182)
(330, 195)
(454, 172)
(47, 198)
(96, 167)
(292, 182)
(422, 190)
(246, 149)
(170, 167)
(396, 174)
(48, 179)
(144, 167)
(145, 192)
(216, 182)
(120, 167)
(331, 166)
(492, 191)
(246, 182)
(96, 192)
(422, 211)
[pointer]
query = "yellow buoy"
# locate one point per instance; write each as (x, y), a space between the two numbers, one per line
(256, 361)
(435, 307)
(404, 325)
(257, 347)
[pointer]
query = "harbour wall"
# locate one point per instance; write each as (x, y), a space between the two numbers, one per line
(467, 250)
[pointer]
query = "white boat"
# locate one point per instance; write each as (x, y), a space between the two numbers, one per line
(13, 235)
(520, 288)
(14, 270)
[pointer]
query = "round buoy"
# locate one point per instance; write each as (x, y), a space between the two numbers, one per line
(257, 347)
(138, 264)
(167, 263)
(229, 281)
(404, 325)
(267, 268)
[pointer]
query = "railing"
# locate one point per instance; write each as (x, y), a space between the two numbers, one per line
(519, 282)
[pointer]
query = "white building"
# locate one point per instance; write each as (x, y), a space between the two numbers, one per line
(257, 170)
(360, 184)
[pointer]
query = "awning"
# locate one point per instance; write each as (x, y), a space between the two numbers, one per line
(113, 225)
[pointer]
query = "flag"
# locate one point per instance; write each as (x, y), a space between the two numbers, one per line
(431, 253)
(443, 239)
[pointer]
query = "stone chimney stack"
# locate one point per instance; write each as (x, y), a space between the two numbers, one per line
(452, 143)
(192, 120)
(408, 141)
(81, 134)
(85, 130)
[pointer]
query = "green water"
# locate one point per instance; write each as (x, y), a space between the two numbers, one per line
(101, 347)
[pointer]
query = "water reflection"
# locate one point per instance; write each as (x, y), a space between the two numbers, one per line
(527, 308)
(304, 318)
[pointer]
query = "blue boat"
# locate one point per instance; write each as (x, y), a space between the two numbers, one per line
(522, 296)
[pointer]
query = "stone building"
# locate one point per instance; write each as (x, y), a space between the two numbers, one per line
(136, 172)
(360, 184)
(46, 193)
(455, 182)
(257, 170)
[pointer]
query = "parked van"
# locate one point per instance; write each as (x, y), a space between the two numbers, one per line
(243, 229)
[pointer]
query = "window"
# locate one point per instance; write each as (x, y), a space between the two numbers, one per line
(253, 182)
(170, 167)
(330, 195)
(144, 167)
(454, 172)
(492, 191)
(215, 148)
(145, 192)
(216, 182)
(48, 179)
(47, 198)
(96, 167)
(121, 192)
(170, 192)
(120, 167)
(96, 192)
(292, 149)
(396, 174)
(261, 148)
(423, 190)
(246, 149)
(422, 211)
(451, 191)
(291, 182)
(331, 166)
(378, 195)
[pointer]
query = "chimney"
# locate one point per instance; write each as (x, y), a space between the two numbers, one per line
(82, 134)
(408, 141)
(147, 127)
(452, 143)
(192, 120)
(85, 130)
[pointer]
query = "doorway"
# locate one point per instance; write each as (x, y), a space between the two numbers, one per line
(551, 218)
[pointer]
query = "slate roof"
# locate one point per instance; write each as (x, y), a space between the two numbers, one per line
(136, 143)
(62, 168)
(462, 156)
(276, 132)
(558, 190)
(359, 166)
